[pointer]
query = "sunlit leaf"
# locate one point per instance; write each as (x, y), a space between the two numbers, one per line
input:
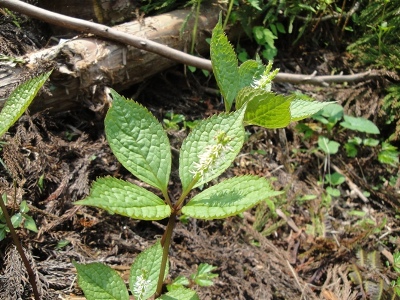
(328, 146)
(301, 109)
(100, 282)
(229, 198)
(126, 199)
(224, 64)
(145, 271)
(265, 108)
(359, 124)
(19, 101)
(139, 141)
(211, 148)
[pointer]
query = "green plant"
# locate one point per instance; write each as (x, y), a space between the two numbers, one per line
(14, 107)
(203, 277)
(328, 130)
(139, 142)
(334, 180)
(378, 43)
(16, 104)
(331, 115)
(177, 121)
(288, 19)
(16, 21)
(391, 110)
(172, 121)
(19, 219)
(396, 268)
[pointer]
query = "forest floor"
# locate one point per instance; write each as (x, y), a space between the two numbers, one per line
(310, 247)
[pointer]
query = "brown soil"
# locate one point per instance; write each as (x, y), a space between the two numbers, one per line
(304, 250)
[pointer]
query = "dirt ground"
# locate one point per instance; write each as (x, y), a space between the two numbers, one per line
(306, 249)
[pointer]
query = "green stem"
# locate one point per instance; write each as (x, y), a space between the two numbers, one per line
(165, 243)
(20, 250)
(178, 203)
(196, 22)
(228, 13)
(166, 197)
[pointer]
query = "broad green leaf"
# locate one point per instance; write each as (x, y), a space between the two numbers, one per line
(180, 294)
(16, 220)
(126, 199)
(351, 149)
(178, 283)
(138, 141)
(328, 146)
(248, 71)
(356, 140)
(210, 148)
(389, 154)
(280, 27)
(264, 108)
(229, 198)
(371, 142)
(301, 109)
(335, 178)
(264, 36)
(145, 271)
(23, 207)
(225, 65)
(333, 191)
(333, 111)
(329, 115)
(100, 282)
(19, 100)
(359, 124)
(30, 224)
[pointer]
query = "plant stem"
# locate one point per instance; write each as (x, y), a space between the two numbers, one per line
(196, 22)
(165, 243)
(167, 198)
(178, 203)
(20, 250)
(228, 14)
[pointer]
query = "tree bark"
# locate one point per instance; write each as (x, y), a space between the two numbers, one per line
(108, 12)
(84, 66)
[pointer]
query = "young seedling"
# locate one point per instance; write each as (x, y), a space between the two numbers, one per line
(140, 143)
(19, 219)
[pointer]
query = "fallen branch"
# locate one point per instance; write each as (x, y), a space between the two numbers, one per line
(325, 80)
(85, 64)
(110, 33)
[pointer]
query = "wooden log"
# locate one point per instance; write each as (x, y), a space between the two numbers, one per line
(84, 65)
(108, 12)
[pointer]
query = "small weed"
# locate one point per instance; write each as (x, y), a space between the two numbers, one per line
(203, 277)
(20, 219)
(172, 121)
